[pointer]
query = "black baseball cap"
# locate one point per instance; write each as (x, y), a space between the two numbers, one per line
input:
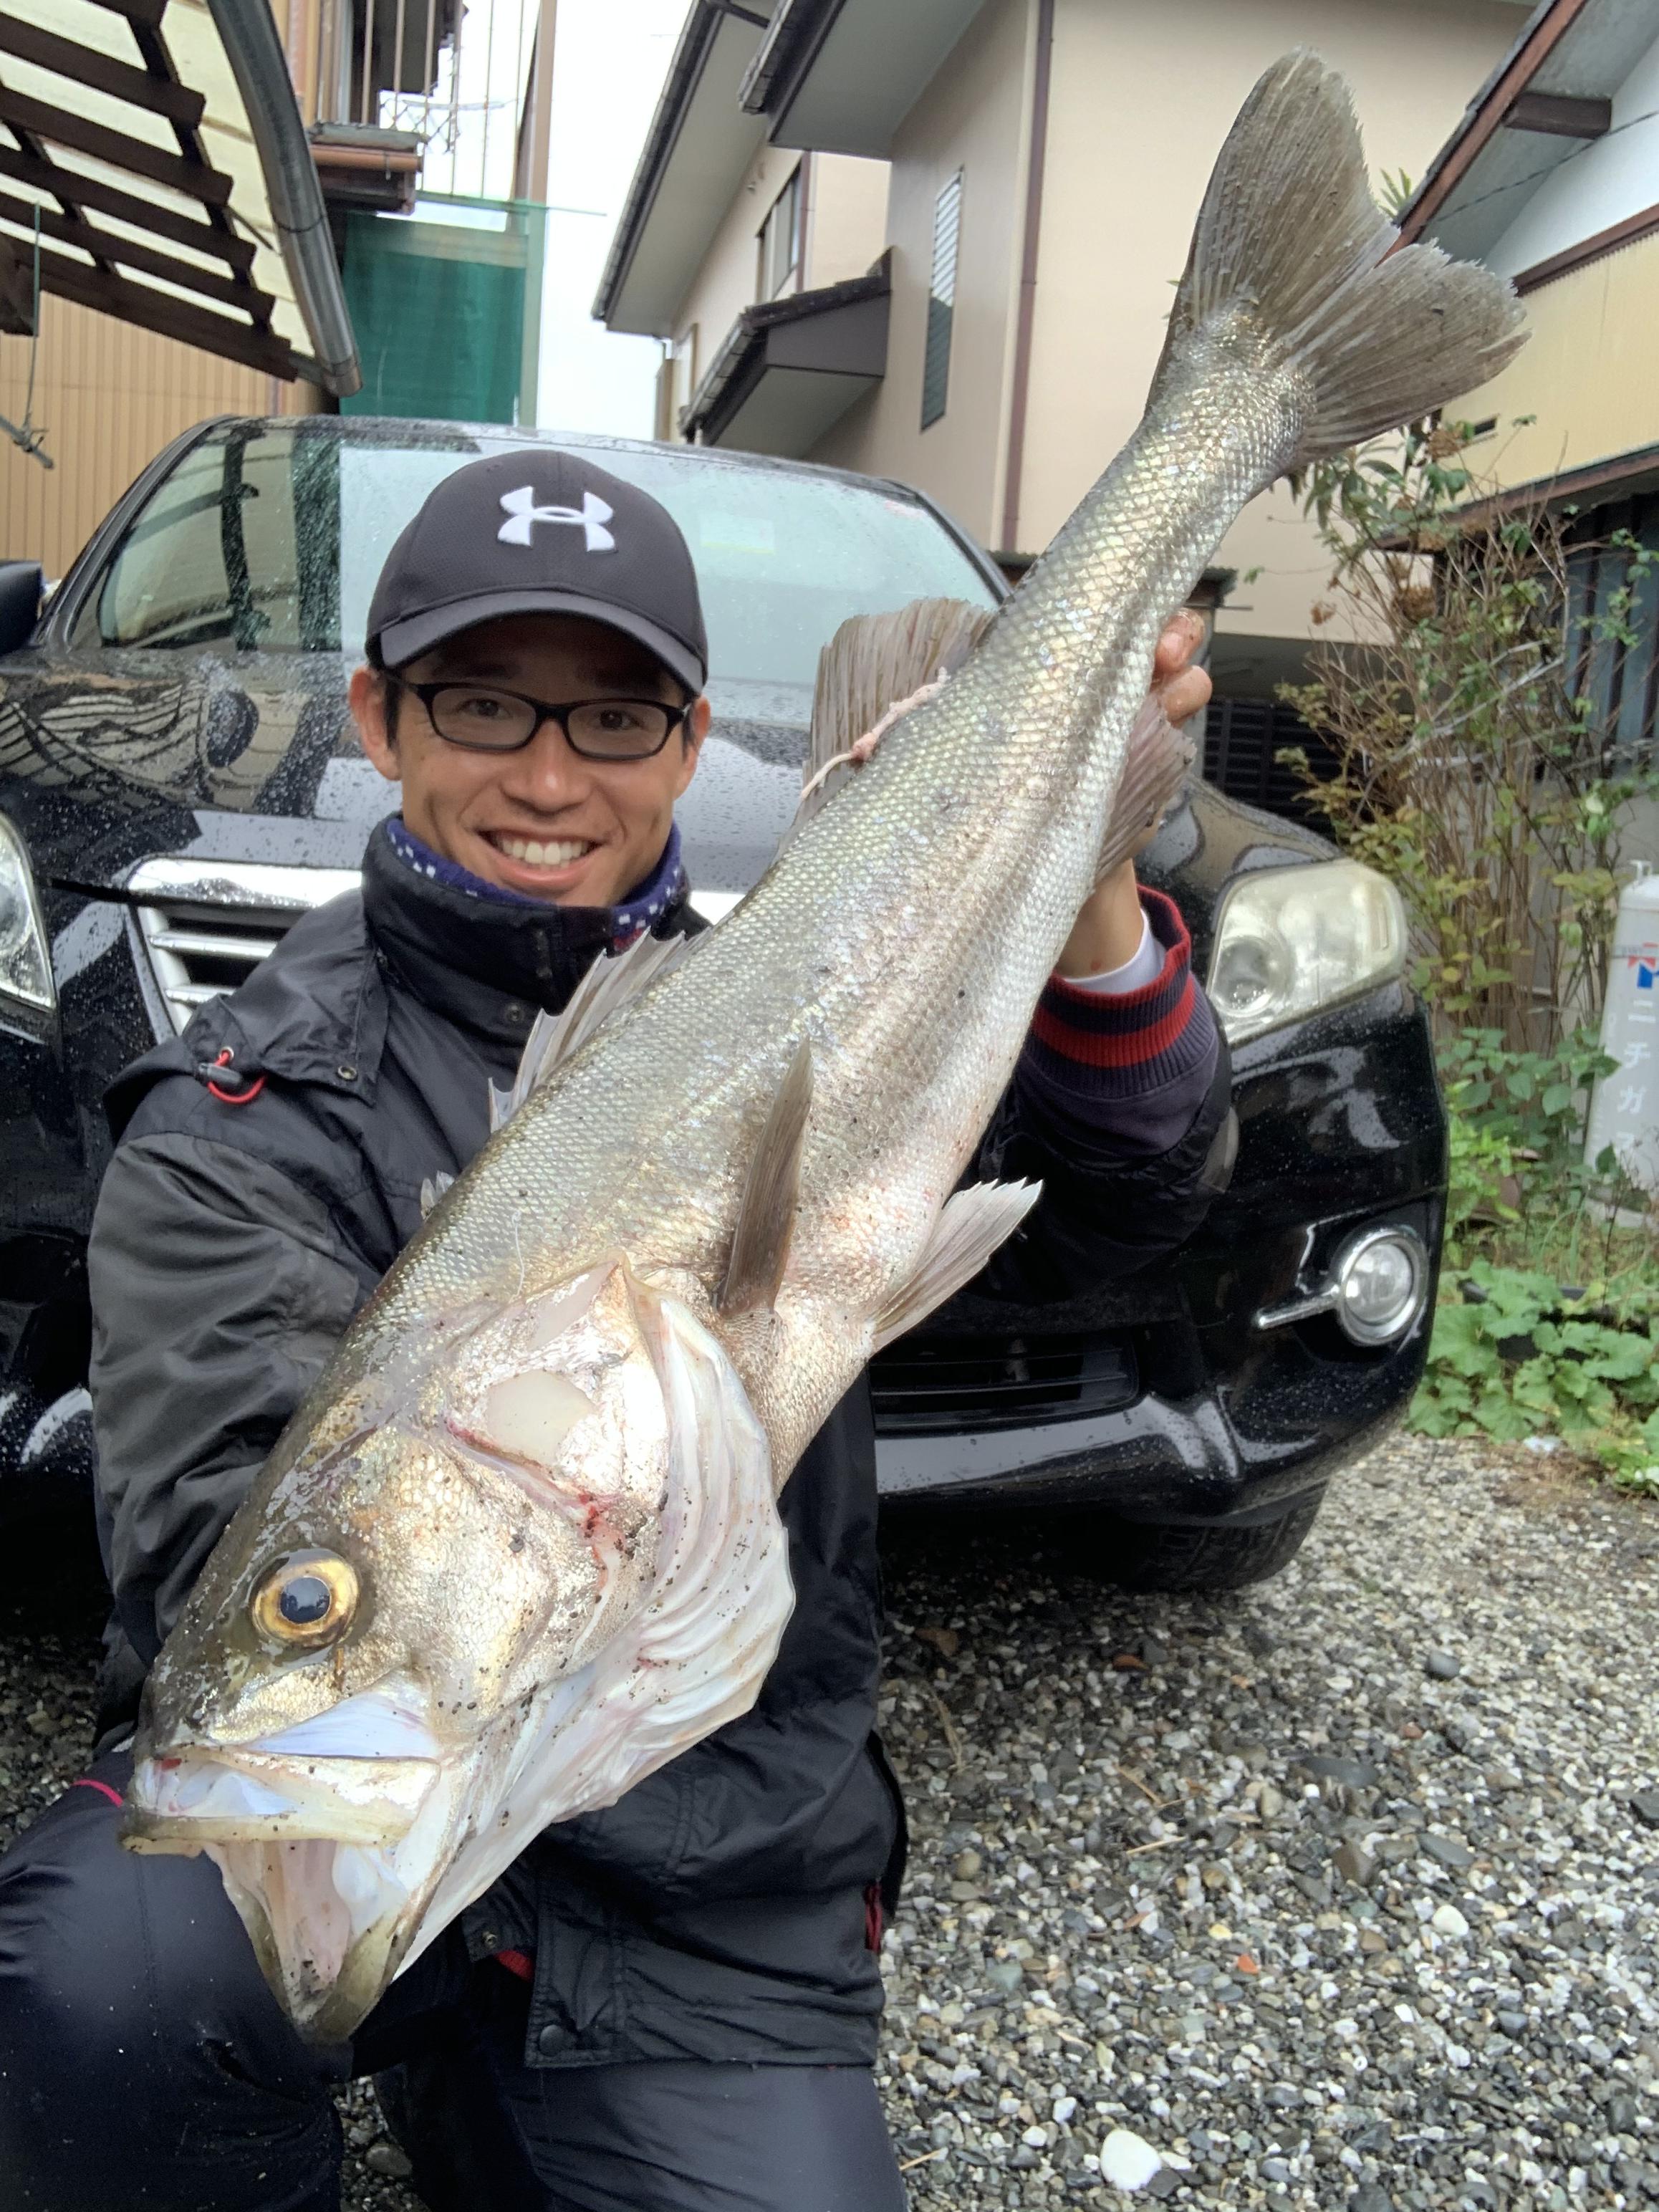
(540, 532)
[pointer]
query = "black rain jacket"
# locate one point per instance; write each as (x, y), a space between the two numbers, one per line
(723, 1910)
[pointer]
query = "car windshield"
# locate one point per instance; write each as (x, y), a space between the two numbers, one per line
(269, 538)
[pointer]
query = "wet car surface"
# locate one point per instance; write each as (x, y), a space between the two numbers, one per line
(180, 781)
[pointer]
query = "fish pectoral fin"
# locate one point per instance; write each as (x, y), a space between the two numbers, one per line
(434, 1186)
(873, 672)
(971, 1224)
(613, 981)
(1155, 766)
(766, 1219)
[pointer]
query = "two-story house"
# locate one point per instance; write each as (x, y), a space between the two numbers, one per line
(937, 242)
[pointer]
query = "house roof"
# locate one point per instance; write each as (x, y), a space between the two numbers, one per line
(791, 367)
(1548, 98)
(840, 75)
(695, 154)
(829, 76)
(153, 166)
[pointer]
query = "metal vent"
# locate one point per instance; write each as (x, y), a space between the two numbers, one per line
(955, 1385)
(207, 924)
(941, 300)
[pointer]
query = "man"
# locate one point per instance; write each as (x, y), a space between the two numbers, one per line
(672, 2003)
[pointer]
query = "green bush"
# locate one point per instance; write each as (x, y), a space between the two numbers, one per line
(1470, 770)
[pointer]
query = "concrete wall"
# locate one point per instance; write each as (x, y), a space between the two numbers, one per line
(973, 117)
(1132, 132)
(1601, 183)
(846, 217)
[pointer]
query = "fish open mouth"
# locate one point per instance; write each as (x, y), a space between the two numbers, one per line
(328, 1837)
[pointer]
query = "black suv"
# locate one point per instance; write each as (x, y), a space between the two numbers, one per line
(179, 780)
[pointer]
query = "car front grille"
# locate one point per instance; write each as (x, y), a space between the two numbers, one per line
(207, 924)
(960, 1384)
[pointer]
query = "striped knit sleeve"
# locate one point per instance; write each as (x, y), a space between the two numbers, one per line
(1132, 1069)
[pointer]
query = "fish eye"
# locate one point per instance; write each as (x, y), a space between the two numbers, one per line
(305, 1600)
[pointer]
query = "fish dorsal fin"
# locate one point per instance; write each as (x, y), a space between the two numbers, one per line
(1156, 760)
(766, 1219)
(609, 985)
(435, 1185)
(971, 1224)
(875, 663)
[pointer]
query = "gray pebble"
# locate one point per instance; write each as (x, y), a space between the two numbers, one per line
(1441, 1667)
(1351, 1773)
(389, 2158)
(1447, 1851)
(1353, 1863)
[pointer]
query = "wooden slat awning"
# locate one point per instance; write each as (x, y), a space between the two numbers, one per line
(153, 166)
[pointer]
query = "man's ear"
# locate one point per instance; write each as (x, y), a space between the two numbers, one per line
(696, 726)
(367, 697)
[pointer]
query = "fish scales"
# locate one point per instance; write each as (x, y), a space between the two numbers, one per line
(534, 1488)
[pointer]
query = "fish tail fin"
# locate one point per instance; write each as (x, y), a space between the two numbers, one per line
(1290, 236)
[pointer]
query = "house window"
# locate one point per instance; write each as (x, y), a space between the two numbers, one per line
(941, 300)
(780, 240)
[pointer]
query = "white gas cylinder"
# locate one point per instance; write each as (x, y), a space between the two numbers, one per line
(1625, 1106)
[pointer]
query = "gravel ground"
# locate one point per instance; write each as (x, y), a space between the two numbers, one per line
(1337, 1892)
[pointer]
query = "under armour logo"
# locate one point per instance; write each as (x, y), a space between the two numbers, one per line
(523, 514)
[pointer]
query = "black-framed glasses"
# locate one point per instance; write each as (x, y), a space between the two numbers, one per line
(484, 719)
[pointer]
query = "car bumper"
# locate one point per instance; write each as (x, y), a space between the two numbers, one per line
(1236, 1452)
(1342, 1128)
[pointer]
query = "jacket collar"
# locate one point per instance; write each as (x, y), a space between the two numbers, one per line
(318, 1012)
(491, 965)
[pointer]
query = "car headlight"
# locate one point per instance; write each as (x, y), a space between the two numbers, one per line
(1291, 940)
(25, 963)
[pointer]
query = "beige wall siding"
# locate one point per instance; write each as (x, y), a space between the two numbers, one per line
(727, 281)
(846, 216)
(973, 117)
(111, 396)
(1131, 134)
(1588, 373)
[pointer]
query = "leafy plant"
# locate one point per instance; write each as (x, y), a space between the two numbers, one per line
(1460, 688)
(1515, 1355)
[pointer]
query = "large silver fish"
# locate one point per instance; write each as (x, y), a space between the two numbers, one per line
(519, 1546)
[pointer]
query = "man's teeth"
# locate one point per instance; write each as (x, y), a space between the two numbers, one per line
(555, 852)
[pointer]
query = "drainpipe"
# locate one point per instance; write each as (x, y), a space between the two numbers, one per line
(247, 32)
(1026, 311)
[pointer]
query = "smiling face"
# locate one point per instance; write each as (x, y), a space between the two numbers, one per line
(543, 821)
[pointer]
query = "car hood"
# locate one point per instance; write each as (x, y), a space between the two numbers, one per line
(109, 758)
